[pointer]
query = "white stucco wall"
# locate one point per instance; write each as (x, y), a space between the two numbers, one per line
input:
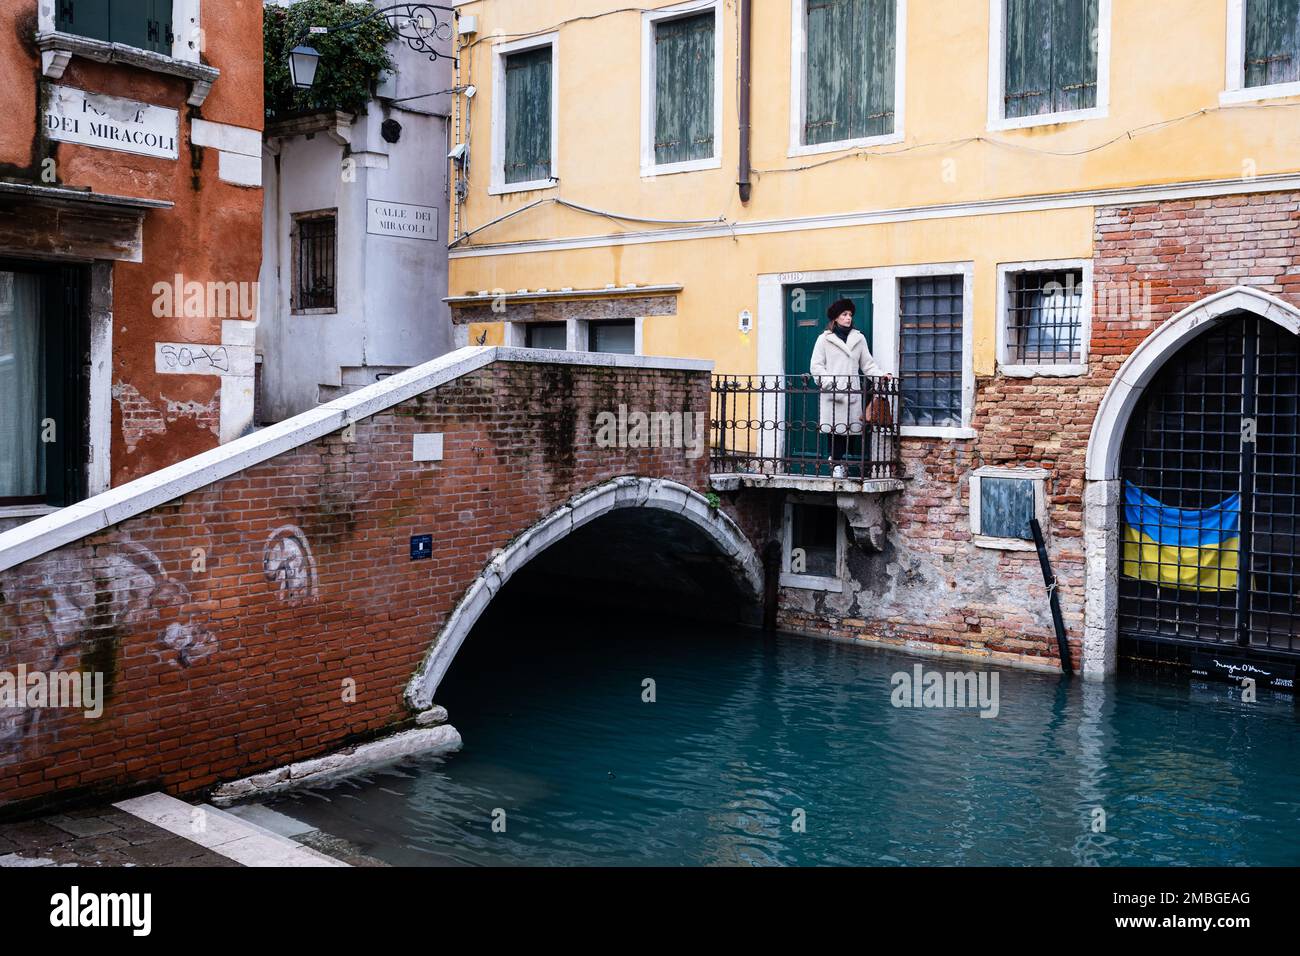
(389, 290)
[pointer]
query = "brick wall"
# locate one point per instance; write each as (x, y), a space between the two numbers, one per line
(229, 622)
(932, 584)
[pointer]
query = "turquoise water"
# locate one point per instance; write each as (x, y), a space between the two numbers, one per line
(746, 732)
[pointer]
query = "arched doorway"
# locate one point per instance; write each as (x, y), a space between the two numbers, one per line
(1209, 498)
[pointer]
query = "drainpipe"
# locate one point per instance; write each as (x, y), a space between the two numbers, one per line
(746, 66)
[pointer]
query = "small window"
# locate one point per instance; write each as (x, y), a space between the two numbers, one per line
(931, 349)
(684, 85)
(1003, 502)
(1050, 57)
(1272, 42)
(528, 116)
(546, 335)
(146, 24)
(814, 545)
(315, 248)
(618, 336)
(850, 82)
(1045, 318)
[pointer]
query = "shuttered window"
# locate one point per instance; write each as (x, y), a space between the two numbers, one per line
(930, 349)
(850, 81)
(1272, 42)
(684, 88)
(146, 24)
(528, 116)
(1051, 56)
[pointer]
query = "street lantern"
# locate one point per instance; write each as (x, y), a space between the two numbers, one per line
(303, 61)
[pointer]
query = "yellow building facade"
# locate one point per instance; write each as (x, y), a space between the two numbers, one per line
(1147, 149)
(955, 187)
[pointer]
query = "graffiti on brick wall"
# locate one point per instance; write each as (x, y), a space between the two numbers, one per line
(84, 602)
(289, 564)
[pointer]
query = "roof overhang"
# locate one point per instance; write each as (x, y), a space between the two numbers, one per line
(63, 223)
(544, 305)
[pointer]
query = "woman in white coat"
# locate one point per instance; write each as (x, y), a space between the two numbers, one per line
(840, 355)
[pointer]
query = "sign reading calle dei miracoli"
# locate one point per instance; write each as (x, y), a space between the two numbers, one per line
(111, 122)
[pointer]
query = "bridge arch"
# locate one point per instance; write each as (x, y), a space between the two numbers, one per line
(662, 495)
(1103, 469)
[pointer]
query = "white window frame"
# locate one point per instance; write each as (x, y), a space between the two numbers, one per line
(812, 582)
(799, 86)
(887, 328)
(499, 186)
(998, 119)
(650, 88)
(1036, 475)
(1029, 370)
(187, 41)
(1235, 89)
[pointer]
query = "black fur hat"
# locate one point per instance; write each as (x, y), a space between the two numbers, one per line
(841, 305)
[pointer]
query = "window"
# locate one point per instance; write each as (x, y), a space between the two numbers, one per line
(546, 335)
(848, 63)
(314, 261)
(524, 115)
(43, 390)
(1263, 50)
(146, 24)
(931, 349)
(1051, 61)
(1003, 501)
(814, 545)
(618, 336)
(682, 101)
(1044, 318)
(1272, 42)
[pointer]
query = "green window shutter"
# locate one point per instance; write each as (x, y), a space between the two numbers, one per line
(1272, 42)
(684, 89)
(87, 18)
(1051, 56)
(528, 116)
(850, 69)
(130, 22)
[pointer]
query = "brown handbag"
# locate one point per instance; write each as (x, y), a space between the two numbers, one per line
(878, 412)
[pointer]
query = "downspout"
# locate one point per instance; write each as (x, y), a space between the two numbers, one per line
(743, 95)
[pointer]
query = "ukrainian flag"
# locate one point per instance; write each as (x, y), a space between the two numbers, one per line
(1174, 547)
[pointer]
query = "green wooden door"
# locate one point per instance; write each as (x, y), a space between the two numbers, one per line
(805, 320)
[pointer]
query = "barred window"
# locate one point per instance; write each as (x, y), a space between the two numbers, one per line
(314, 259)
(1272, 42)
(1045, 318)
(1051, 56)
(851, 63)
(930, 349)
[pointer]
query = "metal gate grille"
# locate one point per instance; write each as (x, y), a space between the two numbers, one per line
(1210, 499)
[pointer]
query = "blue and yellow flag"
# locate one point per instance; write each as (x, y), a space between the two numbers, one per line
(1173, 547)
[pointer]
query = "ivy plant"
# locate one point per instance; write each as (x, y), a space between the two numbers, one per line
(350, 60)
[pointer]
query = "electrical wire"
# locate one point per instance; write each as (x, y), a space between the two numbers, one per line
(603, 213)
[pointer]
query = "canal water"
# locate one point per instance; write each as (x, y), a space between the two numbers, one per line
(790, 751)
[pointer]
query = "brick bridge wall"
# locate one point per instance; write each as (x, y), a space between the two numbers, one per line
(932, 584)
(228, 621)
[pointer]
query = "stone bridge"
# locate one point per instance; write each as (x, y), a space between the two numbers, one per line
(305, 588)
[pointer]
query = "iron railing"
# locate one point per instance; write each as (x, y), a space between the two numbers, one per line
(805, 425)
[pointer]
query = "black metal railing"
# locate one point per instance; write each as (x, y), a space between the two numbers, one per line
(812, 426)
